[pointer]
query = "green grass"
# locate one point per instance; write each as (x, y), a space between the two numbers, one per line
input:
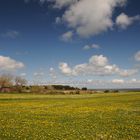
(70, 117)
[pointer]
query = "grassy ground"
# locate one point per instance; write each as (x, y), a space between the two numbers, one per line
(70, 117)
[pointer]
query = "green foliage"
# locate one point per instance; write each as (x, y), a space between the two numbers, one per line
(63, 87)
(84, 88)
(71, 117)
(106, 91)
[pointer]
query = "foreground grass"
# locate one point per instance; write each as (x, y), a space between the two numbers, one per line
(70, 117)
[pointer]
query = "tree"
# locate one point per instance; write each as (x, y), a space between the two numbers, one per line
(6, 80)
(19, 83)
(84, 88)
(106, 91)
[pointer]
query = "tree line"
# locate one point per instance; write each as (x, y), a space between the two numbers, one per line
(10, 83)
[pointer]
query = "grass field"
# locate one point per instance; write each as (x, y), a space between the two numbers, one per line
(70, 117)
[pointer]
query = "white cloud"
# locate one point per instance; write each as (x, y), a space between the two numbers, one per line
(11, 34)
(89, 80)
(134, 81)
(9, 64)
(65, 69)
(93, 46)
(118, 81)
(127, 73)
(98, 60)
(67, 36)
(51, 69)
(123, 20)
(97, 65)
(91, 17)
(137, 56)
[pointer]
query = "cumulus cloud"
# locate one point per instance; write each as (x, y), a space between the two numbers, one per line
(11, 34)
(118, 81)
(137, 56)
(97, 65)
(9, 64)
(93, 46)
(127, 73)
(98, 60)
(123, 20)
(129, 83)
(94, 19)
(67, 36)
(134, 81)
(90, 17)
(65, 69)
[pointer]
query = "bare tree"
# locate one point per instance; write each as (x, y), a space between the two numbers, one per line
(6, 80)
(19, 83)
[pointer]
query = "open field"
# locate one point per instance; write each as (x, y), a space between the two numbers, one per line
(70, 117)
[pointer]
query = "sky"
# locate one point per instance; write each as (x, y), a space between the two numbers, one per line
(92, 43)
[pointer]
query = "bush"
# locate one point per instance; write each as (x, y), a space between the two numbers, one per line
(106, 91)
(77, 92)
(84, 88)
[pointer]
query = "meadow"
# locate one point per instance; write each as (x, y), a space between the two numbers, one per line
(113, 116)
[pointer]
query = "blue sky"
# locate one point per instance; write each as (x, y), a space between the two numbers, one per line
(93, 43)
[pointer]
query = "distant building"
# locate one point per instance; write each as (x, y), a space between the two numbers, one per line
(6, 89)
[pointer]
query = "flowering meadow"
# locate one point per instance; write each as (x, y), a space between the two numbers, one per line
(70, 117)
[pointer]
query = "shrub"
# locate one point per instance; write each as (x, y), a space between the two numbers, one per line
(84, 88)
(106, 91)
